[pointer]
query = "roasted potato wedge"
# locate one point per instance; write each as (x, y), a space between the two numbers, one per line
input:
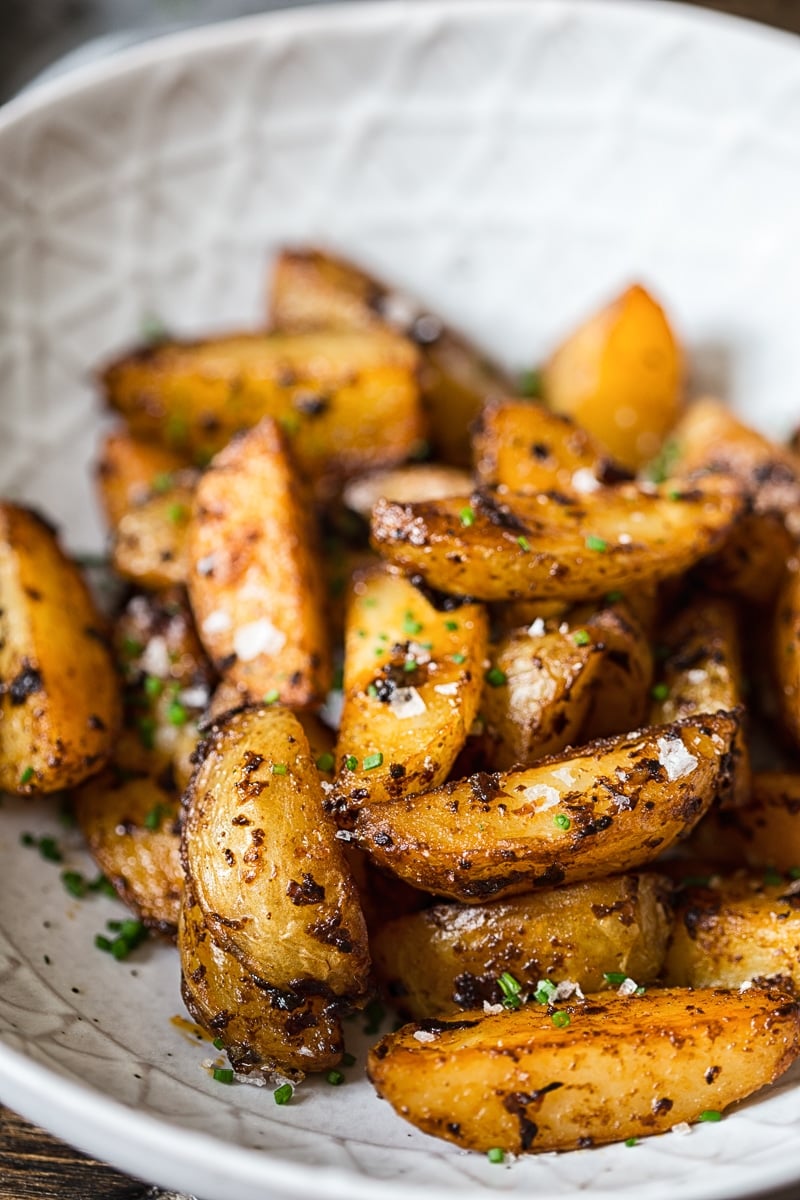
(786, 651)
(606, 808)
(348, 402)
(255, 580)
(129, 471)
(448, 958)
(130, 821)
(263, 1031)
(520, 446)
(735, 930)
(264, 863)
(149, 543)
(537, 692)
(412, 683)
(311, 290)
(752, 561)
(703, 674)
(763, 833)
(621, 690)
(604, 1071)
(553, 549)
(415, 481)
(620, 376)
(59, 692)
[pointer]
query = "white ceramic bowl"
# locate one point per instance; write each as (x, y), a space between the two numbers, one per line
(513, 164)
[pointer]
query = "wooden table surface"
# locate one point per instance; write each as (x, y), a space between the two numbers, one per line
(35, 1166)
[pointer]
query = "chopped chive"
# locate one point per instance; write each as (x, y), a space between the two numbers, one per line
(102, 943)
(223, 1074)
(496, 1155)
(49, 850)
(581, 638)
(335, 1078)
(162, 482)
(562, 820)
(218, 1044)
(153, 686)
(348, 1060)
(373, 760)
(495, 677)
(531, 383)
(379, 650)
(130, 934)
(27, 839)
(458, 659)
(661, 466)
(153, 819)
(177, 513)
(372, 691)
(598, 544)
(451, 626)
(177, 714)
(613, 597)
(351, 762)
(523, 543)
(147, 732)
(338, 679)
(614, 978)
(631, 1141)
(280, 769)
(283, 1094)
(410, 664)
(710, 1114)
(794, 872)
(131, 648)
(104, 886)
(674, 494)
(467, 516)
(271, 696)
(26, 776)
(410, 625)
(773, 878)
(545, 991)
(659, 691)
(152, 329)
(511, 989)
(326, 762)
(74, 883)
(370, 602)
(640, 991)
(560, 1019)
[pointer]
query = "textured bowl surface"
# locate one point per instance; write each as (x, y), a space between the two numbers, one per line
(513, 164)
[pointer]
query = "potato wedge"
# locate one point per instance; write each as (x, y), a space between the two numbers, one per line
(537, 692)
(752, 561)
(606, 808)
(255, 580)
(448, 958)
(621, 689)
(735, 930)
(264, 862)
(786, 651)
(415, 481)
(703, 674)
(522, 1082)
(264, 1032)
(129, 471)
(131, 823)
(412, 683)
(149, 543)
(59, 693)
(520, 446)
(553, 549)
(763, 833)
(620, 376)
(348, 402)
(311, 290)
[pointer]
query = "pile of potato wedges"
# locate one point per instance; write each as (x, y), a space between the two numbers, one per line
(438, 685)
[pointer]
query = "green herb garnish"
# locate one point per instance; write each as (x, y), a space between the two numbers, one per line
(659, 691)
(351, 762)
(326, 762)
(495, 677)
(222, 1074)
(371, 761)
(26, 776)
(467, 516)
(511, 989)
(710, 1114)
(280, 769)
(74, 883)
(283, 1094)
(496, 1155)
(545, 991)
(562, 821)
(560, 1019)
(523, 543)
(335, 1078)
(581, 638)
(598, 544)
(410, 625)
(271, 696)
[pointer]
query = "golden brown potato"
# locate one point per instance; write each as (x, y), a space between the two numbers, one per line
(129, 471)
(312, 290)
(545, 547)
(537, 692)
(264, 863)
(604, 1071)
(348, 402)
(620, 376)
(763, 833)
(59, 693)
(621, 690)
(752, 561)
(786, 651)
(606, 808)
(522, 447)
(437, 962)
(734, 930)
(149, 543)
(130, 821)
(415, 481)
(703, 674)
(255, 580)
(262, 1030)
(412, 683)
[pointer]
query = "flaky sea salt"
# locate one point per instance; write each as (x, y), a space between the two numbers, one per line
(217, 621)
(683, 1129)
(257, 637)
(675, 758)
(406, 702)
(422, 1035)
(543, 796)
(584, 480)
(536, 628)
(627, 987)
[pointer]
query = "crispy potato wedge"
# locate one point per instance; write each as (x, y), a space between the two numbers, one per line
(448, 958)
(264, 862)
(621, 688)
(129, 471)
(131, 824)
(349, 402)
(59, 692)
(734, 930)
(763, 833)
(703, 674)
(537, 693)
(786, 651)
(606, 808)
(522, 1082)
(255, 580)
(752, 561)
(520, 446)
(149, 543)
(412, 684)
(620, 376)
(311, 290)
(553, 549)
(263, 1031)
(415, 481)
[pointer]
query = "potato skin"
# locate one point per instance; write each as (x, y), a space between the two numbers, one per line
(786, 651)
(129, 470)
(255, 579)
(763, 833)
(448, 958)
(59, 692)
(490, 836)
(262, 1031)
(736, 929)
(264, 863)
(520, 1083)
(621, 692)
(149, 545)
(639, 537)
(412, 482)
